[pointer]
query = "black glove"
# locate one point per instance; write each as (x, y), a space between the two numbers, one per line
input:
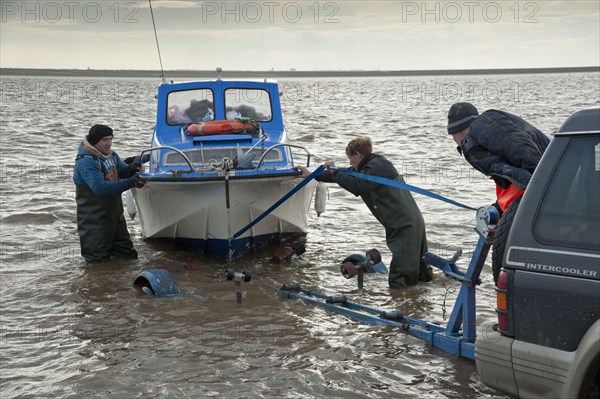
(138, 181)
(137, 160)
(134, 167)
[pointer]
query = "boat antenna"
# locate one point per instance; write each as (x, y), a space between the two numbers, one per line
(162, 72)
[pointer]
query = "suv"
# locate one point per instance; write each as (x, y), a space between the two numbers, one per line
(547, 340)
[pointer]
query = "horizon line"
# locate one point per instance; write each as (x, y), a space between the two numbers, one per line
(286, 73)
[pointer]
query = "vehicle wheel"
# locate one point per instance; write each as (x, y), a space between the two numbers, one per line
(590, 389)
(502, 230)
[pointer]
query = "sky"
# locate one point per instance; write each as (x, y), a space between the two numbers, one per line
(301, 35)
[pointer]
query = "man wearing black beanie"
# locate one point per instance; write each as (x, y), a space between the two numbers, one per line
(97, 133)
(502, 146)
(100, 176)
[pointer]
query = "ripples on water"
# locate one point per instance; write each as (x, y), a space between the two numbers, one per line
(71, 330)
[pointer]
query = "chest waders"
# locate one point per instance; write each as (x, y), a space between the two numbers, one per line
(101, 226)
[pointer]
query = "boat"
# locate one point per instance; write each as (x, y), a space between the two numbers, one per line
(219, 160)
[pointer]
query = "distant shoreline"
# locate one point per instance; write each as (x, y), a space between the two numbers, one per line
(282, 74)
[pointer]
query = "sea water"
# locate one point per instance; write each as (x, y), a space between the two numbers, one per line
(68, 329)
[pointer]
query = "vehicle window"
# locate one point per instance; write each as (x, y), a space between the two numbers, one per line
(570, 211)
(190, 106)
(248, 103)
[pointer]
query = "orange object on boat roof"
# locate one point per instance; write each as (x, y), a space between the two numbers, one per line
(228, 126)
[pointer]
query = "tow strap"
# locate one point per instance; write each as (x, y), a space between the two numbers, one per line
(375, 179)
(403, 186)
(280, 201)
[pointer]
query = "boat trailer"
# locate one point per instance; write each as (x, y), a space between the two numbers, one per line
(458, 336)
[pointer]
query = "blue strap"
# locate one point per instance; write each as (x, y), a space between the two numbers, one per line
(280, 201)
(403, 186)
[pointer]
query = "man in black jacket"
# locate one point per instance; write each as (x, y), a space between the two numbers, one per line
(394, 208)
(506, 148)
(498, 144)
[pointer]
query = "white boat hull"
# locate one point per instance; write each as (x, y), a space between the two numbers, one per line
(206, 215)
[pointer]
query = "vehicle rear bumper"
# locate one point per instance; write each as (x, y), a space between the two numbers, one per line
(522, 369)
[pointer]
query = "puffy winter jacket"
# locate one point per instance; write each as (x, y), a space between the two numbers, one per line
(505, 147)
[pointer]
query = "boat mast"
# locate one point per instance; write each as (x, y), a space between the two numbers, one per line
(162, 72)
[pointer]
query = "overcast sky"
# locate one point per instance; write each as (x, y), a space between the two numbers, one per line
(305, 35)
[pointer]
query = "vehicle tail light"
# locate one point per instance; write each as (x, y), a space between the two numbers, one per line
(501, 303)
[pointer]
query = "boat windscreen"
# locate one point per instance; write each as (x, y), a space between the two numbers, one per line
(190, 106)
(248, 103)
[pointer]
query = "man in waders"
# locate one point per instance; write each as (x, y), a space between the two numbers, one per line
(100, 177)
(394, 208)
(506, 148)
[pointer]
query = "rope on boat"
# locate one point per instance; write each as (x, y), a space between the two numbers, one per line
(225, 165)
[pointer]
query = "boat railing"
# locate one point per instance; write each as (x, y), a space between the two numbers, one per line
(262, 158)
(166, 147)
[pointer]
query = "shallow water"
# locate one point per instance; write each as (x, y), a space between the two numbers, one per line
(72, 330)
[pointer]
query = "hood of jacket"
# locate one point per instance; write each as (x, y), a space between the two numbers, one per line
(85, 148)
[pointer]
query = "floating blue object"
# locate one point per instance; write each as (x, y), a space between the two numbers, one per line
(158, 282)
(360, 258)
